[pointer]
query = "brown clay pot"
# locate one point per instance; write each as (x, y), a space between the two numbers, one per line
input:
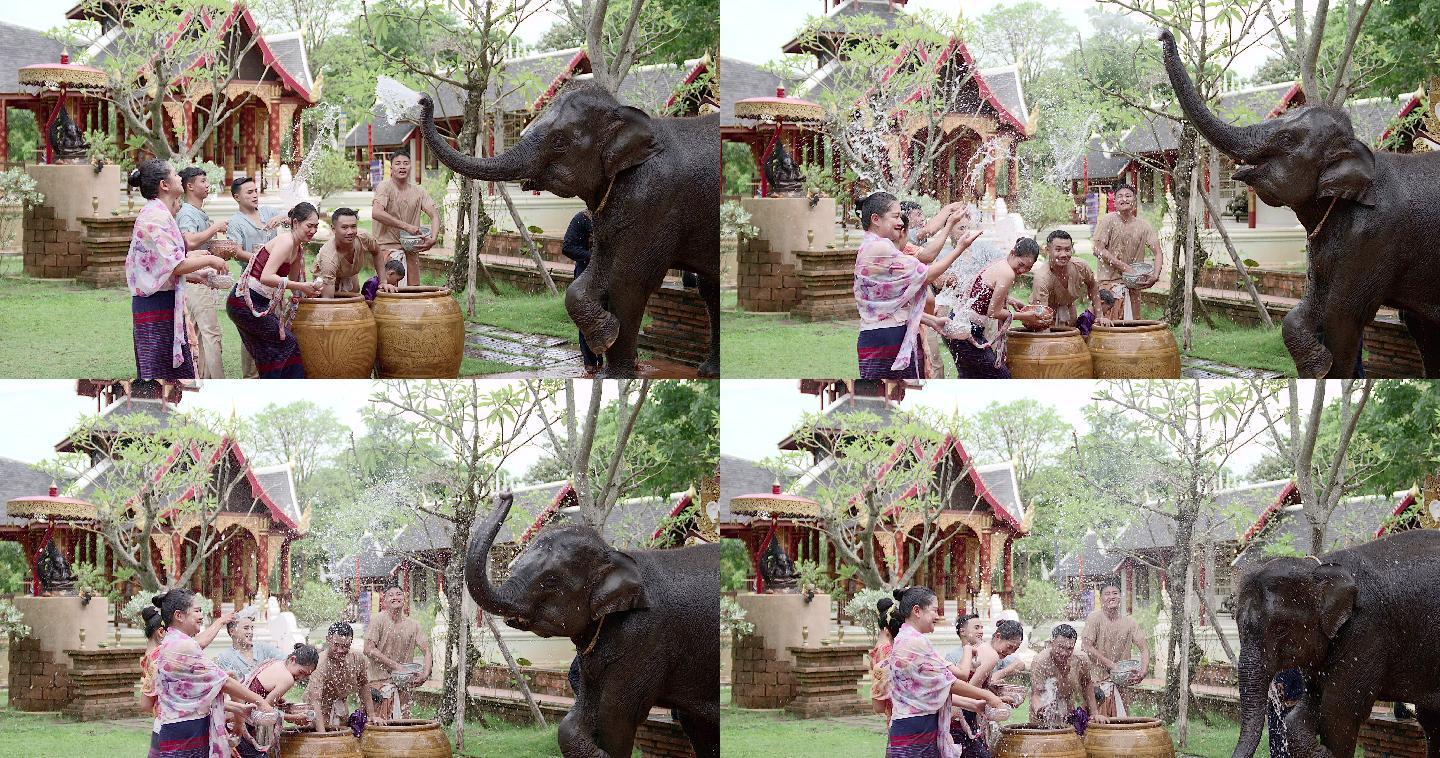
(413, 739)
(303, 743)
(1134, 350)
(421, 333)
(1140, 737)
(337, 337)
(1056, 353)
(1035, 741)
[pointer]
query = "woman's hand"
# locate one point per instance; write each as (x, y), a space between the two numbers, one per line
(308, 289)
(217, 263)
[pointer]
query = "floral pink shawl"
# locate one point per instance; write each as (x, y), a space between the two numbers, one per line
(156, 248)
(888, 281)
(188, 686)
(920, 684)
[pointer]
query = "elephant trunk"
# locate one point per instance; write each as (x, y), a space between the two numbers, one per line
(512, 165)
(1255, 676)
(477, 562)
(1240, 143)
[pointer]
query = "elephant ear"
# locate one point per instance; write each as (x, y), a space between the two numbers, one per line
(1348, 173)
(617, 587)
(1336, 587)
(629, 140)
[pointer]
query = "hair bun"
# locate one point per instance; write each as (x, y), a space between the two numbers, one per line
(148, 613)
(898, 593)
(134, 179)
(298, 645)
(159, 599)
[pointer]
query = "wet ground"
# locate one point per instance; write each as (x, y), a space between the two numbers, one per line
(1199, 368)
(546, 357)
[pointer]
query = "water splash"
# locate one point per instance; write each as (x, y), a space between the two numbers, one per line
(394, 99)
(325, 123)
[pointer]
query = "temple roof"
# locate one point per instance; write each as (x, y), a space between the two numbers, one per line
(835, 20)
(23, 46)
(1100, 165)
(19, 479)
(739, 476)
(738, 80)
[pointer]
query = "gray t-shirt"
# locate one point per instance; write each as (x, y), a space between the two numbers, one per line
(249, 236)
(193, 220)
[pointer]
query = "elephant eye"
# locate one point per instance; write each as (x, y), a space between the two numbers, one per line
(559, 142)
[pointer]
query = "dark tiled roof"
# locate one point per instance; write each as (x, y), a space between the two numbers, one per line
(385, 135)
(19, 479)
(289, 50)
(279, 484)
(1240, 107)
(1004, 83)
(1100, 165)
(739, 80)
(23, 46)
(1151, 531)
(837, 19)
(849, 405)
(1353, 521)
(1372, 115)
(740, 477)
(1000, 480)
(1094, 558)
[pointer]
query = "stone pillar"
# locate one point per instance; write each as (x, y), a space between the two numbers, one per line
(262, 565)
(247, 139)
(274, 133)
(985, 563)
(1012, 183)
(827, 681)
(937, 571)
(285, 574)
(1009, 568)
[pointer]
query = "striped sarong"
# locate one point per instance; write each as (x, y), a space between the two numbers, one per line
(877, 350)
(969, 745)
(973, 362)
(154, 321)
(181, 739)
(274, 358)
(914, 737)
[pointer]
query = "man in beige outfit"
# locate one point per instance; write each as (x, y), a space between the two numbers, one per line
(202, 302)
(390, 642)
(1120, 240)
(396, 210)
(1108, 638)
(341, 259)
(1060, 281)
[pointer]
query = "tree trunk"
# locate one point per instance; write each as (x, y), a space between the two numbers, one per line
(1239, 265)
(454, 591)
(515, 671)
(1186, 335)
(1180, 192)
(1182, 720)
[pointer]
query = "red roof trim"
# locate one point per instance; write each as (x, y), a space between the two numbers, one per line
(695, 72)
(1404, 111)
(266, 54)
(1284, 103)
(564, 76)
(950, 444)
(1405, 503)
(256, 490)
(676, 511)
(1263, 519)
(548, 513)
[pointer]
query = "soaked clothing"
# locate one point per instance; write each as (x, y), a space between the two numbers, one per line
(1129, 241)
(890, 291)
(972, 361)
(276, 357)
(236, 664)
(879, 673)
(157, 307)
(878, 349)
(396, 640)
(402, 202)
(914, 737)
(1055, 693)
(182, 739)
(344, 268)
(1060, 291)
(334, 682)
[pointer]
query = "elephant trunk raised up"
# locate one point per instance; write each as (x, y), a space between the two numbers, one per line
(1255, 676)
(514, 164)
(477, 562)
(1237, 142)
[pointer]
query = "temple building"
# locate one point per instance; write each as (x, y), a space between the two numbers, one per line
(256, 526)
(988, 116)
(273, 87)
(976, 529)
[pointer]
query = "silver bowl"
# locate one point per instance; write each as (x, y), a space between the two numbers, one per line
(1136, 272)
(408, 242)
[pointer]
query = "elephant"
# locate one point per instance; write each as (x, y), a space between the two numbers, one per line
(645, 624)
(1366, 216)
(653, 186)
(1359, 623)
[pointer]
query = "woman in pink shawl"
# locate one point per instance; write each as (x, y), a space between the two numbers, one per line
(188, 688)
(156, 263)
(921, 683)
(890, 288)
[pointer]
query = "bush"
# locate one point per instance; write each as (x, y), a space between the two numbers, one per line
(1041, 602)
(317, 605)
(10, 623)
(734, 565)
(732, 618)
(862, 609)
(1043, 204)
(332, 172)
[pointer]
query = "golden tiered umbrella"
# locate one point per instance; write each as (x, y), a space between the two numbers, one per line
(63, 76)
(777, 110)
(772, 505)
(50, 508)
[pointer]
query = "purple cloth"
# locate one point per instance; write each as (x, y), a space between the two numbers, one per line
(1085, 322)
(370, 287)
(1081, 719)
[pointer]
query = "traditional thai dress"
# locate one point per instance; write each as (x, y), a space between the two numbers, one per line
(276, 352)
(975, 357)
(890, 291)
(920, 696)
(190, 722)
(147, 678)
(157, 301)
(246, 748)
(880, 673)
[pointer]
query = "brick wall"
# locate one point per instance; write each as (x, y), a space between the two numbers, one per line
(766, 283)
(1384, 737)
(39, 680)
(679, 326)
(1267, 281)
(51, 248)
(541, 681)
(514, 245)
(758, 678)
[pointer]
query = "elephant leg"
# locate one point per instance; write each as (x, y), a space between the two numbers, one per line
(577, 733)
(1427, 338)
(1301, 332)
(703, 729)
(628, 305)
(710, 290)
(585, 302)
(1430, 721)
(1343, 709)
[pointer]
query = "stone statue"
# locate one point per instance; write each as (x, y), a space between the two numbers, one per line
(777, 569)
(783, 174)
(66, 141)
(54, 570)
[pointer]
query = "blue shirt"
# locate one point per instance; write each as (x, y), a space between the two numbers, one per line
(193, 220)
(231, 661)
(250, 237)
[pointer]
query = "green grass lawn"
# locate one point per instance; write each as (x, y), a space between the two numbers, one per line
(777, 734)
(25, 735)
(57, 329)
(771, 345)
